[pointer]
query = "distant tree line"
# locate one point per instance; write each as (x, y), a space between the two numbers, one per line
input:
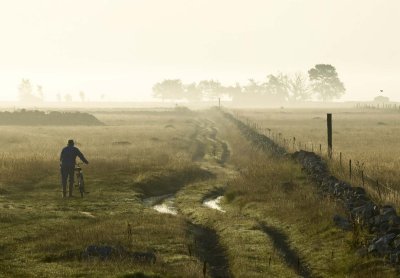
(28, 94)
(321, 82)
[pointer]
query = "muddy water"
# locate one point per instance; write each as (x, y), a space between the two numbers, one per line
(214, 203)
(162, 204)
(167, 206)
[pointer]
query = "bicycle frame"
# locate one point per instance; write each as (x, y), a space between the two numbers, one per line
(80, 181)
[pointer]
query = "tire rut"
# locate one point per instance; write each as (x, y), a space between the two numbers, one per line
(290, 256)
(207, 249)
(206, 142)
(206, 246)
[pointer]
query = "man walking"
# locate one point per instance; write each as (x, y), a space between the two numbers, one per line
(67, 164)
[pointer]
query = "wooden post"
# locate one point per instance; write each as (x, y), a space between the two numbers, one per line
(294, 143)
(329, 125)
(320, 149)
(298, 264)
(129, 231)
(350, 168)
(362, 178)
(204, 268)
(219, 103)
(340, 159)
(379, 190)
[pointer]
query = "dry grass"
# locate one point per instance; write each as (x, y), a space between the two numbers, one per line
(274, 191)
(368, 137)
(43, 236)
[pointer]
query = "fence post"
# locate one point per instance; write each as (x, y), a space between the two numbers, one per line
(379, 190)
(329, 125)
(350, 168)
(340, 159)
(294, 143)
(362, 178)
(204, 268)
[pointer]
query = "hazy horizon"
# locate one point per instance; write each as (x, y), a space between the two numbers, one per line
(121, 48)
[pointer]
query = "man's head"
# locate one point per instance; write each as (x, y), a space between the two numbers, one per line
(71, 142)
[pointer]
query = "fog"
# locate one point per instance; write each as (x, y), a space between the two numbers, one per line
(117, 50)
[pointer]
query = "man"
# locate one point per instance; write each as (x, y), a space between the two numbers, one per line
(67, 163)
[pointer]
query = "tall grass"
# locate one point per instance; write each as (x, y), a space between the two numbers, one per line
(368, 138)
(276, 192)
(42, 235)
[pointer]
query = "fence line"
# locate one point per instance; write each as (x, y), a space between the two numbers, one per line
(387, 106)
(356, 169)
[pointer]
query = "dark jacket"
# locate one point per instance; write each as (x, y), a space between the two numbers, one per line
(68, 156)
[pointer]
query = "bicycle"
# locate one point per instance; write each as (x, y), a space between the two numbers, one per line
(80, 180)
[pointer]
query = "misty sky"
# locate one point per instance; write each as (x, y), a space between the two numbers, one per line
(120, 48)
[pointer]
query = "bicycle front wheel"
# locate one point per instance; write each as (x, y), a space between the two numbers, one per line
(81, 183)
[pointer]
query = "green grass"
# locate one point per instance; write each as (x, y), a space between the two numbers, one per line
(42, 235)
(368, 137)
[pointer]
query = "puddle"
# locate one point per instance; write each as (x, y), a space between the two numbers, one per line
(214, 203)
(167, 206)
(88, 214)
(162, 204)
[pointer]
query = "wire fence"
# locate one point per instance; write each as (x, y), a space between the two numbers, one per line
(353, 171)
(374, 105)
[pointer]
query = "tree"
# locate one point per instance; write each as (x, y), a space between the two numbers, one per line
(325, 82)
(381, 99)
(277, 86)
(25, 90)
(68, 98)
(253, 88)
(299, 88)
(39, 90)
(192, 92)
(211, 89)
(82, 96)
(234, 91)
(169, 89)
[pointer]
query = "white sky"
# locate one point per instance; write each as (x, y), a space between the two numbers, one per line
(120, 48)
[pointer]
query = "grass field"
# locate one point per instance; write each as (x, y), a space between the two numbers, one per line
(366, 136)
(273, 223)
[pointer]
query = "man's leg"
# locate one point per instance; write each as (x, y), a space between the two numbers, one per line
(64, 176)
(71, 181)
